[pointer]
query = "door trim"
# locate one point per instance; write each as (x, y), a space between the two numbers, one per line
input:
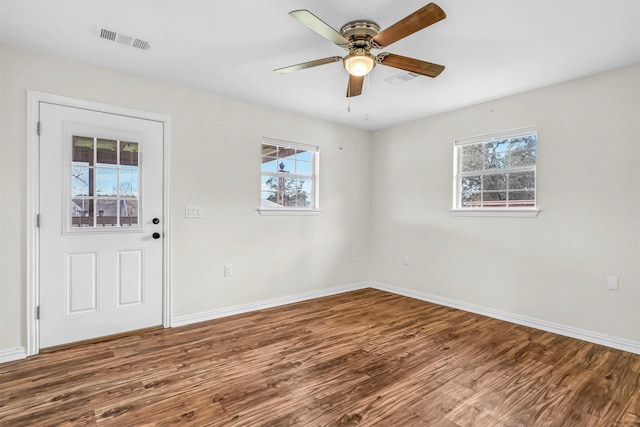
(34, 98)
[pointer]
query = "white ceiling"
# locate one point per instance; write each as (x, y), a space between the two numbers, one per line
(491, 48)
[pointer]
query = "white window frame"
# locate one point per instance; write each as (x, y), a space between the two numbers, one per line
(286, 210)
(458, 210)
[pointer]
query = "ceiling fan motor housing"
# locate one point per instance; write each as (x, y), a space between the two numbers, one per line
(359, 61)
(360, 32)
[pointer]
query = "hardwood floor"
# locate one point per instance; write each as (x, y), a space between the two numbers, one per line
(365, 358)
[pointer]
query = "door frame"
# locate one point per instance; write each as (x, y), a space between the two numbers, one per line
(34, 98)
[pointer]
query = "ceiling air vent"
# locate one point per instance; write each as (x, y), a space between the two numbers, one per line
(402, 78)
(123, 39)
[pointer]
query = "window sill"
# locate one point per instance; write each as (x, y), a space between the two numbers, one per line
(500, 212)
(287, 211)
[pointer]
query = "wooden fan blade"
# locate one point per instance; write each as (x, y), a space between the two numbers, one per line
(409, 64)
(319, 26)
(422, 18)
(354, 87)
(309, 64)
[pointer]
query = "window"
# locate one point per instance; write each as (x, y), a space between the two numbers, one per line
(105, 178)
(496, 173)
(289, 178)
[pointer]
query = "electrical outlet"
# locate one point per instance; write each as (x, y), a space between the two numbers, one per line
(228, 270)
(612, 283)
(405, 259)
(354, 257)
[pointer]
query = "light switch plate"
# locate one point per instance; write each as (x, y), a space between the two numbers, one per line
(193, 212)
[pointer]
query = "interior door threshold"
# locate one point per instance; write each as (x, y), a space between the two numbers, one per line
(100, 339)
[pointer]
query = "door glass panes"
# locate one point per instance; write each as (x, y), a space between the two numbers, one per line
(105, 181)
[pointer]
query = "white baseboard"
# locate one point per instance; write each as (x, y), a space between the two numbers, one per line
(18, 353)
(260, 305)
(568, 331)
(11, 354)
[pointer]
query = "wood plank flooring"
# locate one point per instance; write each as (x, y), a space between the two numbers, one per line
(366, 358)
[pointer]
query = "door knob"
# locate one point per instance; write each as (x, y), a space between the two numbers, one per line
(156, 235)
(156, 220)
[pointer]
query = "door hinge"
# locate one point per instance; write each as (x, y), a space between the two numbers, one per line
(38, 128)
(38, 313)
(37, 220)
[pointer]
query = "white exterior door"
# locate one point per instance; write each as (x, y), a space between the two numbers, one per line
(101, 225)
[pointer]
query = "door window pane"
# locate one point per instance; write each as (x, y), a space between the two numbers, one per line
(128, 183)
(106, 182)
(80, 182)
(82, 150)
(107, 195)
(128, 213)
(107, 152)
(82, 212)
(128, 154)
(107, 212)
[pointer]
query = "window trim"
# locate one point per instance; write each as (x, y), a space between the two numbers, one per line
(456, 210)
(285, 210)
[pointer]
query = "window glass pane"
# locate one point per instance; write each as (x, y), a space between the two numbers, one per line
(269, 150)
(291, 185)
(472, 150)
(128, 153)
(289, 200)
(82, 213)
(271, 183)
(303, 199)
(107, 152)
(286, 153)
(128, 213)
(306, 185)
(495, 181)
(80, 181)
(523, 142)
(493, 196)
(470, 188)
(286, 166)
(269, 199)
(472, 163)
(496, 160)
(523, 158)
(269, 165)
(522, 180)
(497, 146)
(304, 168)
(269, 158)
(522, 195)
(129, 183)
(106, 182)
(82, 150)
(107, 212)
(471, 200)
(306, 156)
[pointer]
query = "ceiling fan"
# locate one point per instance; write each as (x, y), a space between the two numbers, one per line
(359, 37)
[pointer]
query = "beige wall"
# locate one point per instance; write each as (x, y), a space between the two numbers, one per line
(216, 161)
(552, 267)
(383, 195)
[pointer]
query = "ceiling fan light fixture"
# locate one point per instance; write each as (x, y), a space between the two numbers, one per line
(359, 62)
